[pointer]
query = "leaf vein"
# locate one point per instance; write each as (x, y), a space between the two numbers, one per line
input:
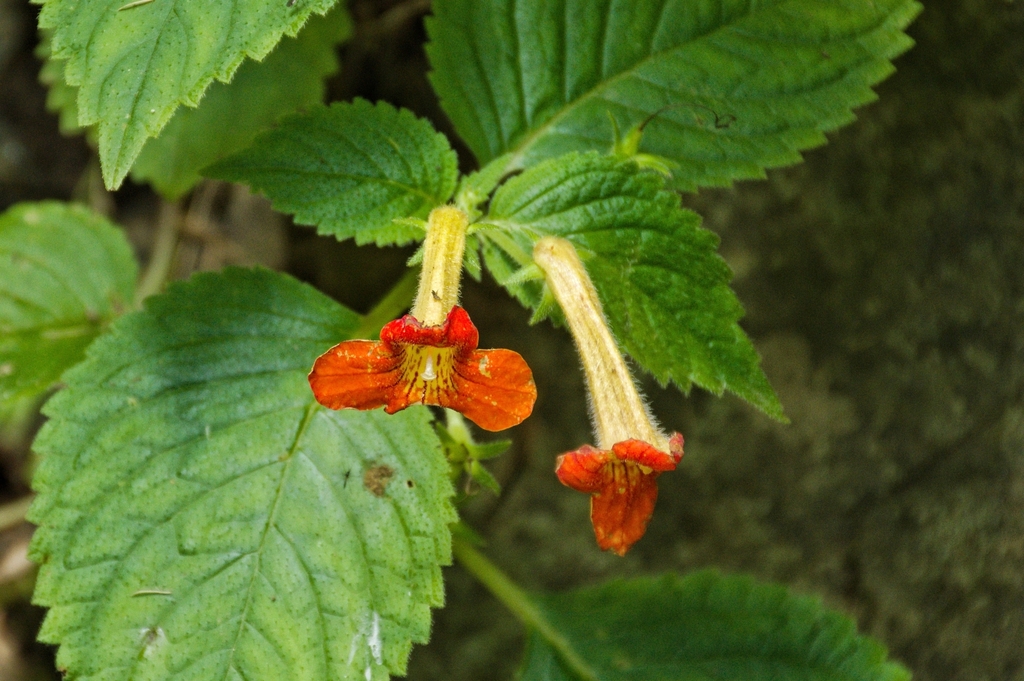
(310, 412)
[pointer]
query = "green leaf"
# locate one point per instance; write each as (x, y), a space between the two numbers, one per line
(484, 477)
(733, 87)
(230, 115)
(65, 273)
(202, 517)
(350, 170)
(664, 288)
(477, 187)
(135, 63)
(702, 627)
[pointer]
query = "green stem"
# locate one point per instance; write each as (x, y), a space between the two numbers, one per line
(517, 600)
(395, 302)
(456, 425)
(504, 240)
(162, 256)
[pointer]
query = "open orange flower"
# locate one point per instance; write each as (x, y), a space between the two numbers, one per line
(430, 355)
(621, 473)
(623, 486)
(436, 365)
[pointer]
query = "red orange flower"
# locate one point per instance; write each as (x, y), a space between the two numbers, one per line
(436, 365)
(430, 356)
(621, 476)
(623, 486)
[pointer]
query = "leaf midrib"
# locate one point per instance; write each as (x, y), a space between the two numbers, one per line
(271, 517)
(62, 329)
(369, 179)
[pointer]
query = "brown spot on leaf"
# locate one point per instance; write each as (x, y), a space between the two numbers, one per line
(377, 478)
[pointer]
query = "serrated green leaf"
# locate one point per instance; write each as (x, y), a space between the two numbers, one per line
(734, 87)
(476, 187)
(664, 288)
(65, 273)
(702, 627)
(202, 517)
(231, 114)
(135, 63)
(350, 170)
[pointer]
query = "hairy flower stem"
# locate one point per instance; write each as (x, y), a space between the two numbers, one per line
(516, 600)
(619, 412)
(442, 265)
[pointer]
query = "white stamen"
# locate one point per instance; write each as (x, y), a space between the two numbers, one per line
(428, 370)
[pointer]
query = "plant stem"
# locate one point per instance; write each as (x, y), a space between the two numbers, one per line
(14, 512)
(441, 274)
(396, 301)
(517, 600)
(162, 256)
(618, 410)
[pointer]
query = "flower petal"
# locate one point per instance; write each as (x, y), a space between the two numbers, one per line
(493, 388)
(457, 331)
(584, 469)
(621, 510)
(622, 484)
(646, 454)
(357, 374)
(434, 365)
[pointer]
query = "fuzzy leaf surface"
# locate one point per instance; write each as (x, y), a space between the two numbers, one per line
(703, 627)
(65, 273)
(749, 84)
(231, 114)
(202, 517)
(133, 66)
(664, 288)
(350, 170)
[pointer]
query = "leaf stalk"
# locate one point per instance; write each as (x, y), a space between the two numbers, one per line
(521, 605)
(394, 302)
(162, 257)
